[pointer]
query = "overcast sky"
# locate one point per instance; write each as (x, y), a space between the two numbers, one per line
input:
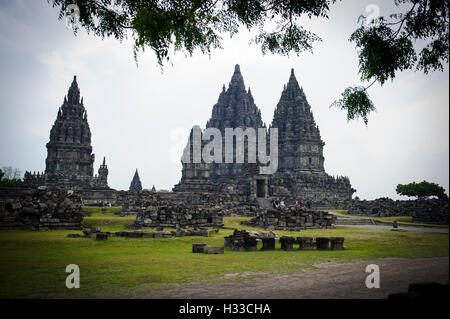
(136, 114)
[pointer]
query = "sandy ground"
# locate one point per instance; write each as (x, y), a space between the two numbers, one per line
(329, 280)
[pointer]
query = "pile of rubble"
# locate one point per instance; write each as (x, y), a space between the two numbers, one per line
(178, 216)
(433, 211)
(42, 208)
(293, 219)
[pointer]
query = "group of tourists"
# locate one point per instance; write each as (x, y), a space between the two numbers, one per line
(282, 206)
(103, 204)
(278, 204)
(300, 203)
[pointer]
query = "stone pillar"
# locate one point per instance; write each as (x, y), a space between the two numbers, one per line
(287, 243)
(337, 243)
(323, 243)
(268, 244)
(198, 248)
(305, 243)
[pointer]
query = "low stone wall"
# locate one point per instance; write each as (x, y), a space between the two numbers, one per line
(133, 202)
(94, 196)
(178, 216)
(39, 209)
(293, 218)
(434, 211)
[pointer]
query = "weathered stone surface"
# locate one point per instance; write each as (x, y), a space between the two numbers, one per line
(428, 211)
(287, 242)
(178, 214)
(35, 209)
(293, 218)
(101, 236)
(268, 244)
(305, 243)
(337, 243)
(241, 241)
(198, 248)
(323, 243)
(213, 249)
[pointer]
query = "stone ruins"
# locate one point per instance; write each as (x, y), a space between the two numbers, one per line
(301, 173)
(206, 191)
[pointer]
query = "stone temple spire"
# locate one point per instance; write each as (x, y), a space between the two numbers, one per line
(69, 151)
(136, 184)
(297, 128)
(235, 107)
(103, 172)
(74, 92)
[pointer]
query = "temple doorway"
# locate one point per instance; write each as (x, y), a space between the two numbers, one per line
(260, 188)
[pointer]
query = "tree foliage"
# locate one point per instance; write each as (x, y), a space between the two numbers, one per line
(187, 25)
(422, 189)
(385, 46)
(10, 177)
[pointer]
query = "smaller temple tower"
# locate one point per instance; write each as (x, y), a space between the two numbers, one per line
(103, 173)
(69, 149)
(136, 184)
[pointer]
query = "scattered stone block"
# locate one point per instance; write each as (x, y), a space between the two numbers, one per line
(198, 248)
(228, 242)
(148, 235)
(287, 242)
(323, 243)
(268, 244)
(101, 236)
(213, 249)
(337, 243)
(134, 234)
(305, 243)
(206, 233)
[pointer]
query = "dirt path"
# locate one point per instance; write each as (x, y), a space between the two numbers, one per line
(329, 280)
(439, 230)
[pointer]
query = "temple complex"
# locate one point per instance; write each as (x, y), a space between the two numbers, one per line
(300, 174)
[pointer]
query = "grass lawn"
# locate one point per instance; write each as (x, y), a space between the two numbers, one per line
(32, 263)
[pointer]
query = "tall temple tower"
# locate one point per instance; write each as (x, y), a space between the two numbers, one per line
(70, 162)
(300, 147)
(234, 108)
(103, 172)
(300, 174)
(69, 149)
